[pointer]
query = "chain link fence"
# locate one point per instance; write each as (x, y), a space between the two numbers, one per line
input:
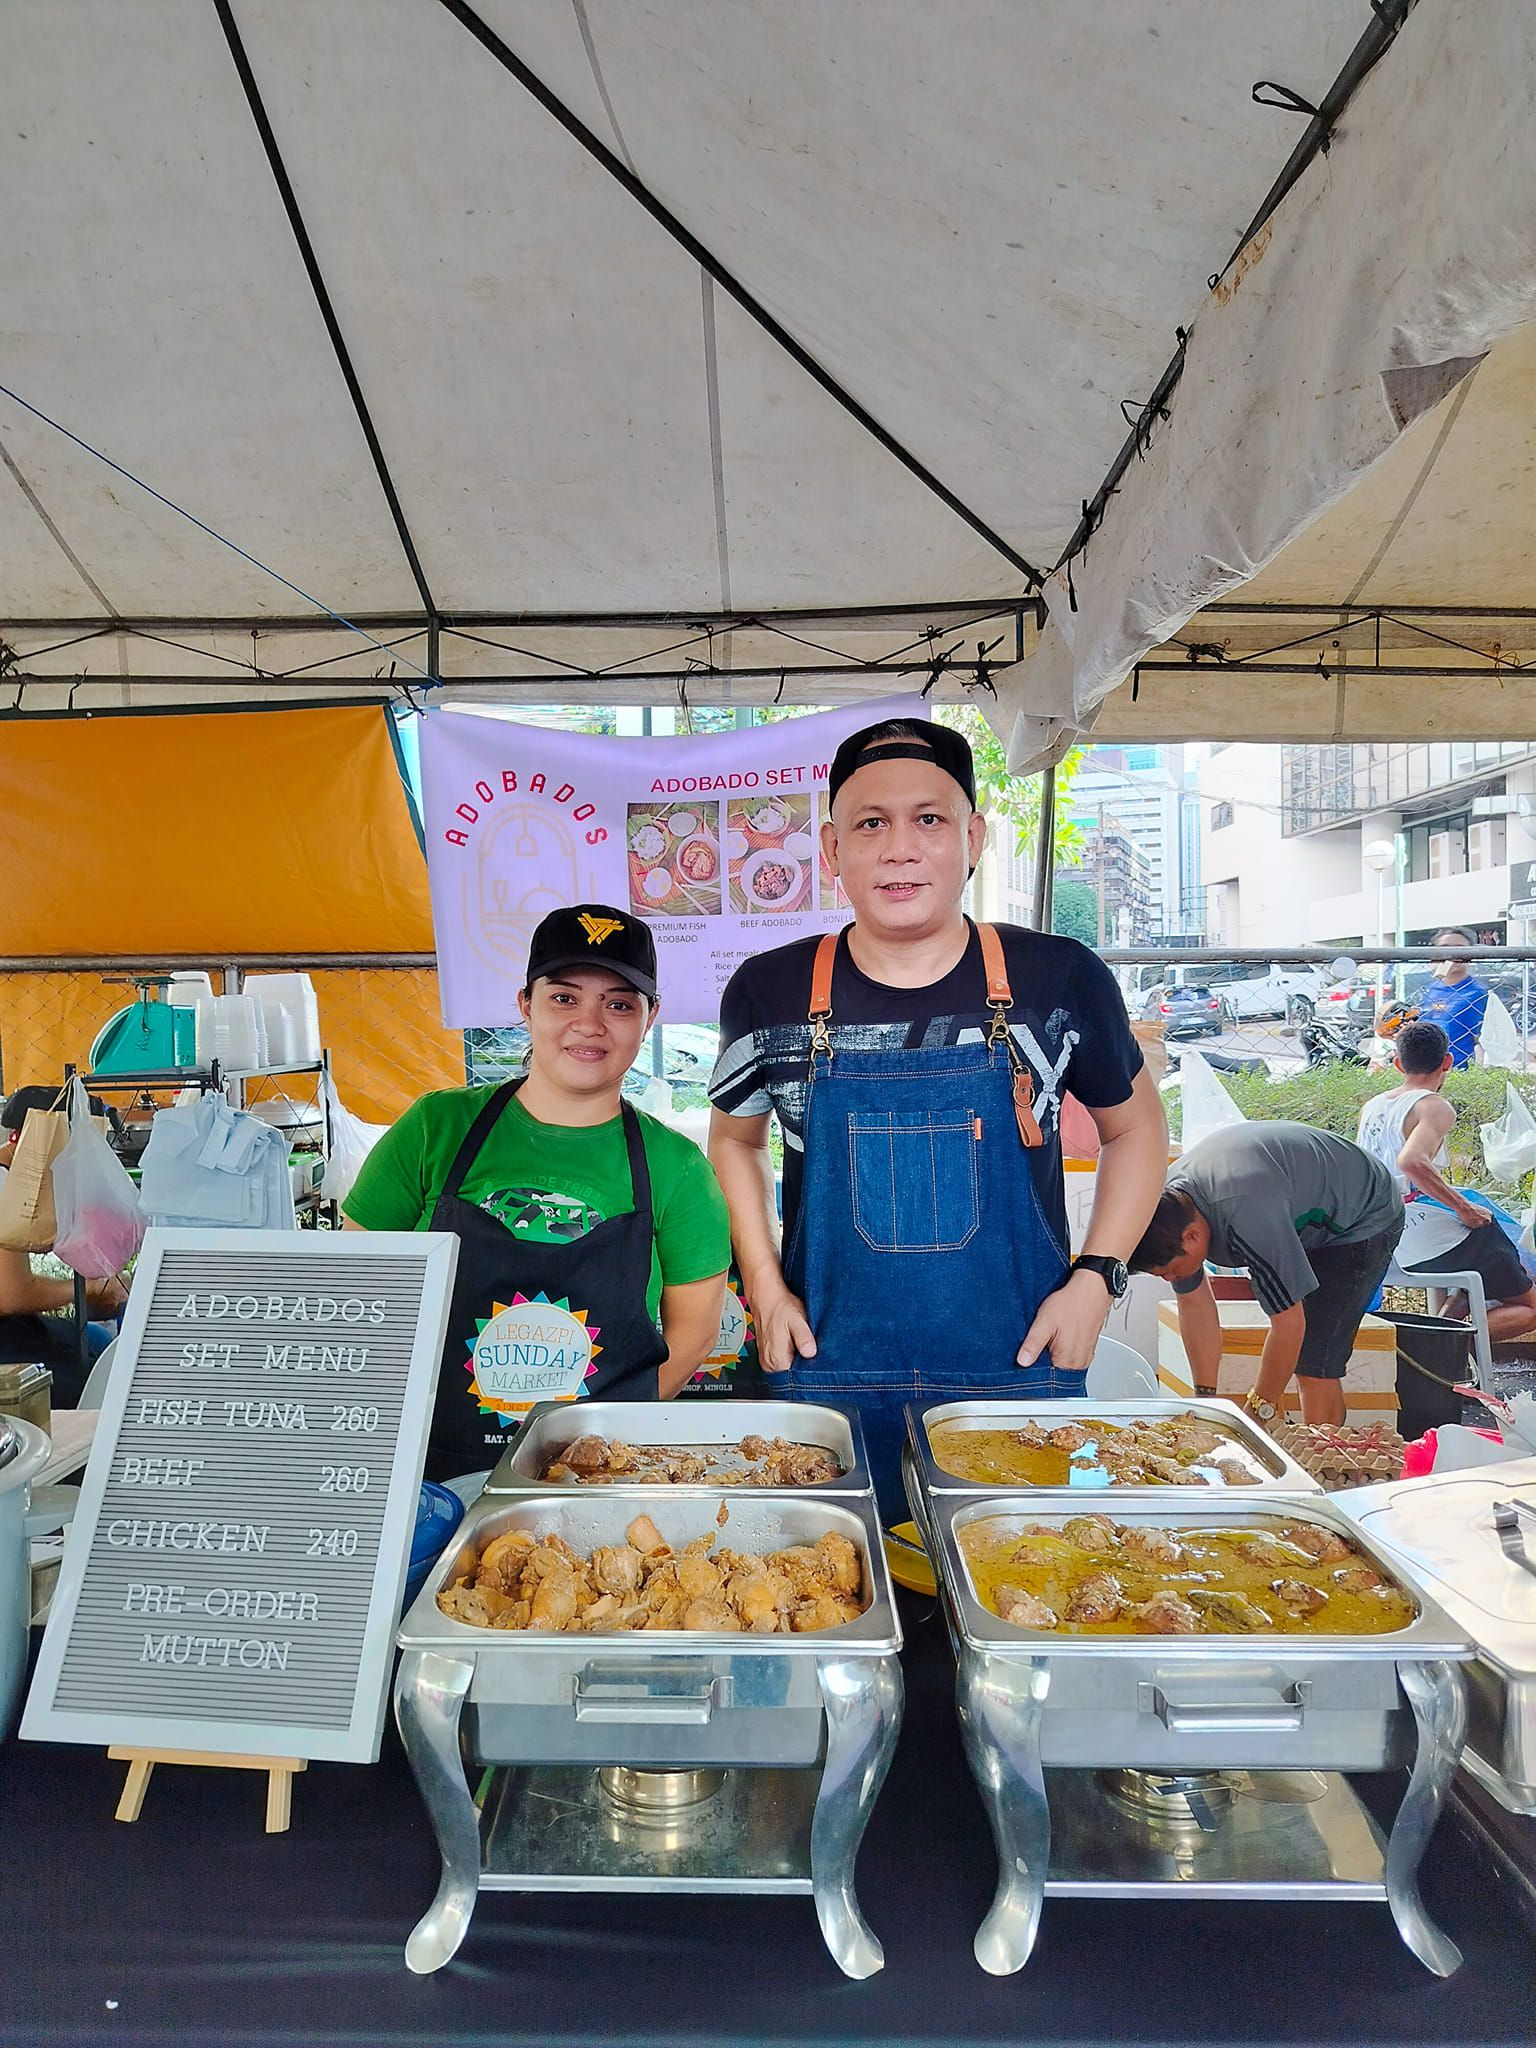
(380, 1022)
(1296, 1035)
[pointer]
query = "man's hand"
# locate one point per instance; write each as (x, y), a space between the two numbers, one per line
(1068, 1323)
(1473, 1217)
(105, 1297)
(783, 1334)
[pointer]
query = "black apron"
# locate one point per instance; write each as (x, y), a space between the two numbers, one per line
(504, 1349)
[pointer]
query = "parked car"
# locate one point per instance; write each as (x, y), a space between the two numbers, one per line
(1190, 1013)
(1246, 990)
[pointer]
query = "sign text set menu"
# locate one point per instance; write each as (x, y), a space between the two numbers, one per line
(240, 1548)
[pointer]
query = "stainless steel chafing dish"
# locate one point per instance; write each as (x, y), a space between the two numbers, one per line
(1175, 1713)
(1277, 1472)
(1471, 1538)
(716, 1426)
(800, 1728)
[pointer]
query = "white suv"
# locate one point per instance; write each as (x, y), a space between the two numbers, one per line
(1257, 991)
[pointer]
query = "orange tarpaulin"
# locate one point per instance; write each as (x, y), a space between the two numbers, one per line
(225, 833)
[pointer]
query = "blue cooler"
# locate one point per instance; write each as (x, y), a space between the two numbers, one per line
(438, 1514)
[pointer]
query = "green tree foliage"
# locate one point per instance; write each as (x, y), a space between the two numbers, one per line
(1075, 911)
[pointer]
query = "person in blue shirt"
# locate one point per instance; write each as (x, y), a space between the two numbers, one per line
(1454, 999)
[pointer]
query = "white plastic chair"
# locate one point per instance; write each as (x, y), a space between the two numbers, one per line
(1470, 1284)
(1117, 1373)
(96, 1379)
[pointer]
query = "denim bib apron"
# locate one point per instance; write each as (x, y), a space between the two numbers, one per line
(603, 1276)
(920, 1249)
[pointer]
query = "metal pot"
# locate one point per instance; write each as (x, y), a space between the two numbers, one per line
(24, 1451)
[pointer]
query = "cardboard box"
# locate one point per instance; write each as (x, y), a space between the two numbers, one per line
(1370, 1380)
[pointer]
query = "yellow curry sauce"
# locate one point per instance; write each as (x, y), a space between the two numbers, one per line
(997, 1457)
(1054, 1567)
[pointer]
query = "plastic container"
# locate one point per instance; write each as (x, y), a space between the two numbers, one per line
(438, 1514)
(291, 1011)
(231, 1030)
(26, 1391)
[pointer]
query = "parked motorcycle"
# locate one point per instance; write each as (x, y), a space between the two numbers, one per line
(1326, 1045)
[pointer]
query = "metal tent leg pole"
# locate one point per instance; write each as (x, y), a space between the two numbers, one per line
(1044, 851)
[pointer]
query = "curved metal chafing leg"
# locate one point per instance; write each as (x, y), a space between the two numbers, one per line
(863, 1699)
(1000, 1700)
(429, 1696)
(1437, 1694)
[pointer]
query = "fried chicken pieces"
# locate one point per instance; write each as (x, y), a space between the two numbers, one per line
(540, 1583)
(770, 1461)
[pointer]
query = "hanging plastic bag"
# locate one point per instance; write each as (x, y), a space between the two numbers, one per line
(206, 1163)
(351, 1140)
(27, 1220)
(1207, 1105)
(100, 1223)
(1500, 1041)
(1509, 1145)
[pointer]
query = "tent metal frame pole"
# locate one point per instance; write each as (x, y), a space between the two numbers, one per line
(753, 307)
(1045, 850)
(317, 283)
(1387, 17)
(957, 612)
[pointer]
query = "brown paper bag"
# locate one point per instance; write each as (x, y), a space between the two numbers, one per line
(27, 1222)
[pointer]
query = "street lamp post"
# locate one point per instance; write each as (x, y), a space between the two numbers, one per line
(1380, 855)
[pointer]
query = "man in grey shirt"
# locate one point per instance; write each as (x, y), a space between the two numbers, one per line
(1313, 1218)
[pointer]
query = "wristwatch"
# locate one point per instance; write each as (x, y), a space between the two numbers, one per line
(1262, 1411)
(1113, 1272)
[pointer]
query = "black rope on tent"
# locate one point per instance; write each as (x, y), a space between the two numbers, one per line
(778, 695)
(8, 657)
(1196, 651)
(1267, 93)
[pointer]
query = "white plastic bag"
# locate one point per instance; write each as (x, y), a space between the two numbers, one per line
(1207, 1105)
(1509, 1145)
(1499, 1040)
(351, 1140)
(100, 1222)
(206, 1163)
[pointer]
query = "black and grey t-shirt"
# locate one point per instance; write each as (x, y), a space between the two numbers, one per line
(1069, 1022)
(1271, 1192)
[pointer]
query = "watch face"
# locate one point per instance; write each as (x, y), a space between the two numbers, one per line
(1119, 1277)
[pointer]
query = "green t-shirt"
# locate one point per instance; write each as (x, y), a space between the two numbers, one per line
(548, 1183)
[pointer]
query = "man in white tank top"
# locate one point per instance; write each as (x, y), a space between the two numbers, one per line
(1408, 1129)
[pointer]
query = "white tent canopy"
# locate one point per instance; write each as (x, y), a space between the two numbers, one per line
(575, 347)
(1336, 372)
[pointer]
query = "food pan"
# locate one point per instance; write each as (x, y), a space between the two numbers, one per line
(709, 1426)
(1276, 1472)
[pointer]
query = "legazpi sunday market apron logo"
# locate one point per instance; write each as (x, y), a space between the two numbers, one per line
(528, 1350)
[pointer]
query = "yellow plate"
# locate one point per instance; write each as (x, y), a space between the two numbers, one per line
(908, 1560)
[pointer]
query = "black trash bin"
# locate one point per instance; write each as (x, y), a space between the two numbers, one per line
(1434, 1357)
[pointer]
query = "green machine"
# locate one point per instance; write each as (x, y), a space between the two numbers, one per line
(150, 1036)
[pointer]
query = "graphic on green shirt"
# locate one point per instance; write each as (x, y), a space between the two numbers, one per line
(542, 1215)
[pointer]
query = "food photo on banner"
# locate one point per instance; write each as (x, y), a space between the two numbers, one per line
(714, 839)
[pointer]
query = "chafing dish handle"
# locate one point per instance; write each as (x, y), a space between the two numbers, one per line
(1271, 1713)
(1507, 1516)
(602, 1696)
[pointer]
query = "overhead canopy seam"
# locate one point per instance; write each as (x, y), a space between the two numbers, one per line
(510, 62)
(323, 299)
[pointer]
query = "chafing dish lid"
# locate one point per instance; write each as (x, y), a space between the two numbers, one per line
(1443, 1527)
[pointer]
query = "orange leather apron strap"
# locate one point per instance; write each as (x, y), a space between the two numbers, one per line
(998, 990)
(821, 978)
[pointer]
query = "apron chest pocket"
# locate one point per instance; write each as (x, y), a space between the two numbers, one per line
(914, 1179)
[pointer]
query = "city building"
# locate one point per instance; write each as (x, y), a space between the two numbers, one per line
(1120, 875)
(1317, 845)
(1149, 793)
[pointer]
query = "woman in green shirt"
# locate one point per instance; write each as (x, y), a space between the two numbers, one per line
(593, 1239)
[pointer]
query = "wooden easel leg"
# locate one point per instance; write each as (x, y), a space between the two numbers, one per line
(279, 1801)
(135, 1785)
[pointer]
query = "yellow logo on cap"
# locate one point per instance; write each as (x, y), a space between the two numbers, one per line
(598, 928)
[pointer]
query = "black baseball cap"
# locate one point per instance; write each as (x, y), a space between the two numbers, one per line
(905, 739)
(595, 935)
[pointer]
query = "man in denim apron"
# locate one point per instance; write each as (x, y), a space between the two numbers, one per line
(916, 1064)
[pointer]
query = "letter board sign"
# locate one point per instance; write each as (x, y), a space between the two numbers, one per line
(233, 1575)
(1522, 888)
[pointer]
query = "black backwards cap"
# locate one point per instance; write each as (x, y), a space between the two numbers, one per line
(595, 935)
(903, 739)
